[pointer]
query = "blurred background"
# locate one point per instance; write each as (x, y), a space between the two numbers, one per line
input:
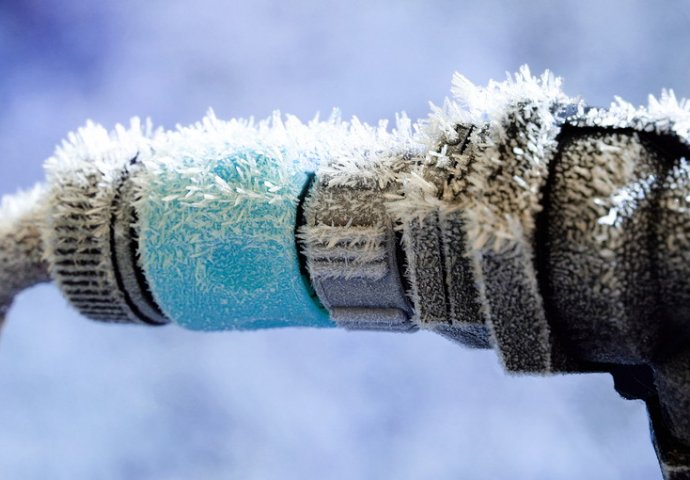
(80, 400)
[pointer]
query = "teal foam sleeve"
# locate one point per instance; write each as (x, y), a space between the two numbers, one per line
(217, 213)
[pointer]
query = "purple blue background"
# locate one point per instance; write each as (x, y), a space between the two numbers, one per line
(80, 400)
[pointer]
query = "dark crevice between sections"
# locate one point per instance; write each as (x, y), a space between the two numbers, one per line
(76, 292)
(301, 220)
(117, 203)
(403, 266)
(75, 251)
(143, 283)
(67, 273)
(78, 263)
(542, 253)
(133, 245)
(79, 283)
(653, 236)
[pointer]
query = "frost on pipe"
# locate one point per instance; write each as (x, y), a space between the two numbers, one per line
(514, 217)
(21, 252)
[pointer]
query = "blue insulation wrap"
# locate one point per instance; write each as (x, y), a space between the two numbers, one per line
(217, 232)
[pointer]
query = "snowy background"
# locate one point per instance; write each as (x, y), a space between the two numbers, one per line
(80, 400)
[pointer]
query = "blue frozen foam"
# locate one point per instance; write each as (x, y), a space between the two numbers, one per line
(217, 240)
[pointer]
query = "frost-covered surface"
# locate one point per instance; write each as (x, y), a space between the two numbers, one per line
(83, 400)
(84, 177)
(498, 181)
(21, 252)
(665, 115)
